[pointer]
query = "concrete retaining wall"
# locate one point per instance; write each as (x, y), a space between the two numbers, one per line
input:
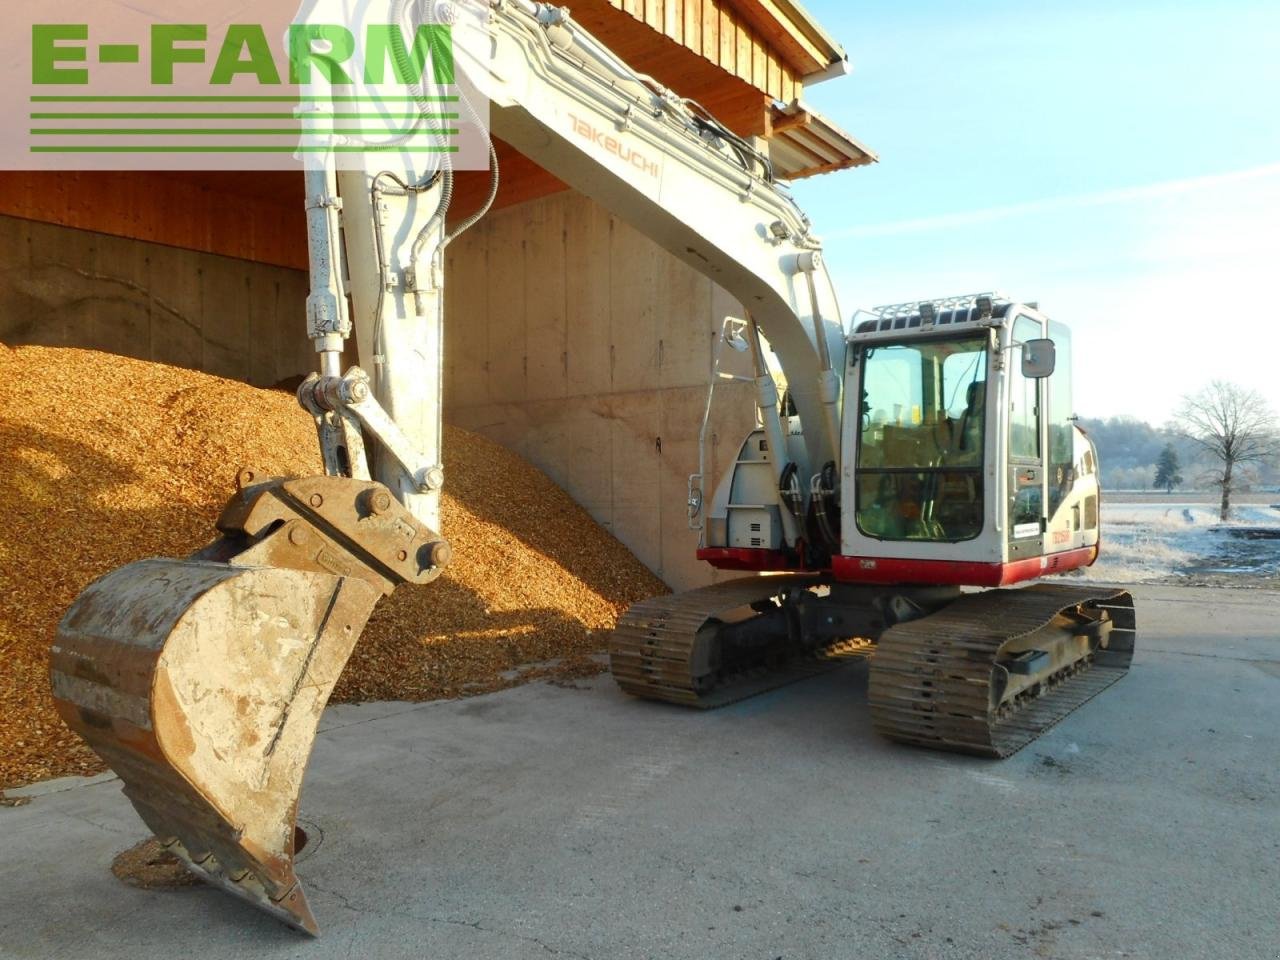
(65, 287)
(587, 348)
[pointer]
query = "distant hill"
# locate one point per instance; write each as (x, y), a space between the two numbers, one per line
(1128, 449)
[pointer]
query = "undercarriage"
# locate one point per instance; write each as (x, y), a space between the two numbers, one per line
(981, 673)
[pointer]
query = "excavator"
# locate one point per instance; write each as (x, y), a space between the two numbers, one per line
(919, 469)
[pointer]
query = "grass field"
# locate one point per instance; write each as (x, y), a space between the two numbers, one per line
(1154, 538)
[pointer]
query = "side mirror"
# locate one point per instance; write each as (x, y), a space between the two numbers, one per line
(1039, 359)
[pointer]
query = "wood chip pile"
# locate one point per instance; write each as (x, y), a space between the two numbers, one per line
(108, 460)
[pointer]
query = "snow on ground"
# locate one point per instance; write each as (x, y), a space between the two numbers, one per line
(1144, 542)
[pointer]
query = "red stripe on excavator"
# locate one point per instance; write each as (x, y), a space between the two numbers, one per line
(958, 572)
(745, 558)
(882, 570)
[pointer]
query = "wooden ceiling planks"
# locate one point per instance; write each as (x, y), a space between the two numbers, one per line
(751, 40)
(520, 179)
(742, 105)
(251, 216)
(782, 32)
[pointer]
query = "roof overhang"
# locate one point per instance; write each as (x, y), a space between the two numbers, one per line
(796, 33)
(805, 143)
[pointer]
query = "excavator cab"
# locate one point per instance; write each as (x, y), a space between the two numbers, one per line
(968, 466)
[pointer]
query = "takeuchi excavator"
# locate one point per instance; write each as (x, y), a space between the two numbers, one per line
(923, 451)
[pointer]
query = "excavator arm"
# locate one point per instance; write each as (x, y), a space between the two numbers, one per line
(201, 681)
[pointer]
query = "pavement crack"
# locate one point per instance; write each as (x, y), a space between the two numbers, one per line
(498, 931)
(344, 901)
(1206, 656)
(114, 831)
(477, 925)
(40, 793)
(382, 716)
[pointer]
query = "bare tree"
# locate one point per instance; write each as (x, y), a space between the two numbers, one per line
(1235, 425)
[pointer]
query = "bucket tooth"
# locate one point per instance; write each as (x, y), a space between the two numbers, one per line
(201, 681)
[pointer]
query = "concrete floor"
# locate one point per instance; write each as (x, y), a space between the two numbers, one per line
(549, 822)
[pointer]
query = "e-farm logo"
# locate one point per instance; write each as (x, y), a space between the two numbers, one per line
(382, 92)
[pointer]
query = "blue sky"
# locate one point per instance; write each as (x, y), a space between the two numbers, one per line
(1120, 163)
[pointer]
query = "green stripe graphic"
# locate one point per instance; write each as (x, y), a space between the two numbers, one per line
(247, 149)
(226, 131)
(242, 116)
(159, 99)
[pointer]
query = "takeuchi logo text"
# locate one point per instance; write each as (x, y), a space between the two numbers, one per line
(611, 144)
(62, 54)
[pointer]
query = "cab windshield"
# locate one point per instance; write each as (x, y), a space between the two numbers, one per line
(921, 441)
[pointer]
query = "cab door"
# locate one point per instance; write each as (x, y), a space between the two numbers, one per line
(1027, 476)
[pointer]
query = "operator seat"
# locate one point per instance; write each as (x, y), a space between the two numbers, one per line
(971, 421)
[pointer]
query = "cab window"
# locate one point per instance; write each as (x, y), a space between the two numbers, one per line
(1061, 426)
(920, 451)
(1024, 397)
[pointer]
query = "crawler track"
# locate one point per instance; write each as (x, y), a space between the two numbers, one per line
(931, 679)
(664, 648)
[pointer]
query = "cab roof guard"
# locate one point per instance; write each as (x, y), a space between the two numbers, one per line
(970, 308)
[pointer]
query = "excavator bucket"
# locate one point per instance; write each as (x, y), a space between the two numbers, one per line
(201, 681)
(201, 685)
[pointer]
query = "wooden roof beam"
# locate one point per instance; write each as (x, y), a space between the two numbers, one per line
(781, 30)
